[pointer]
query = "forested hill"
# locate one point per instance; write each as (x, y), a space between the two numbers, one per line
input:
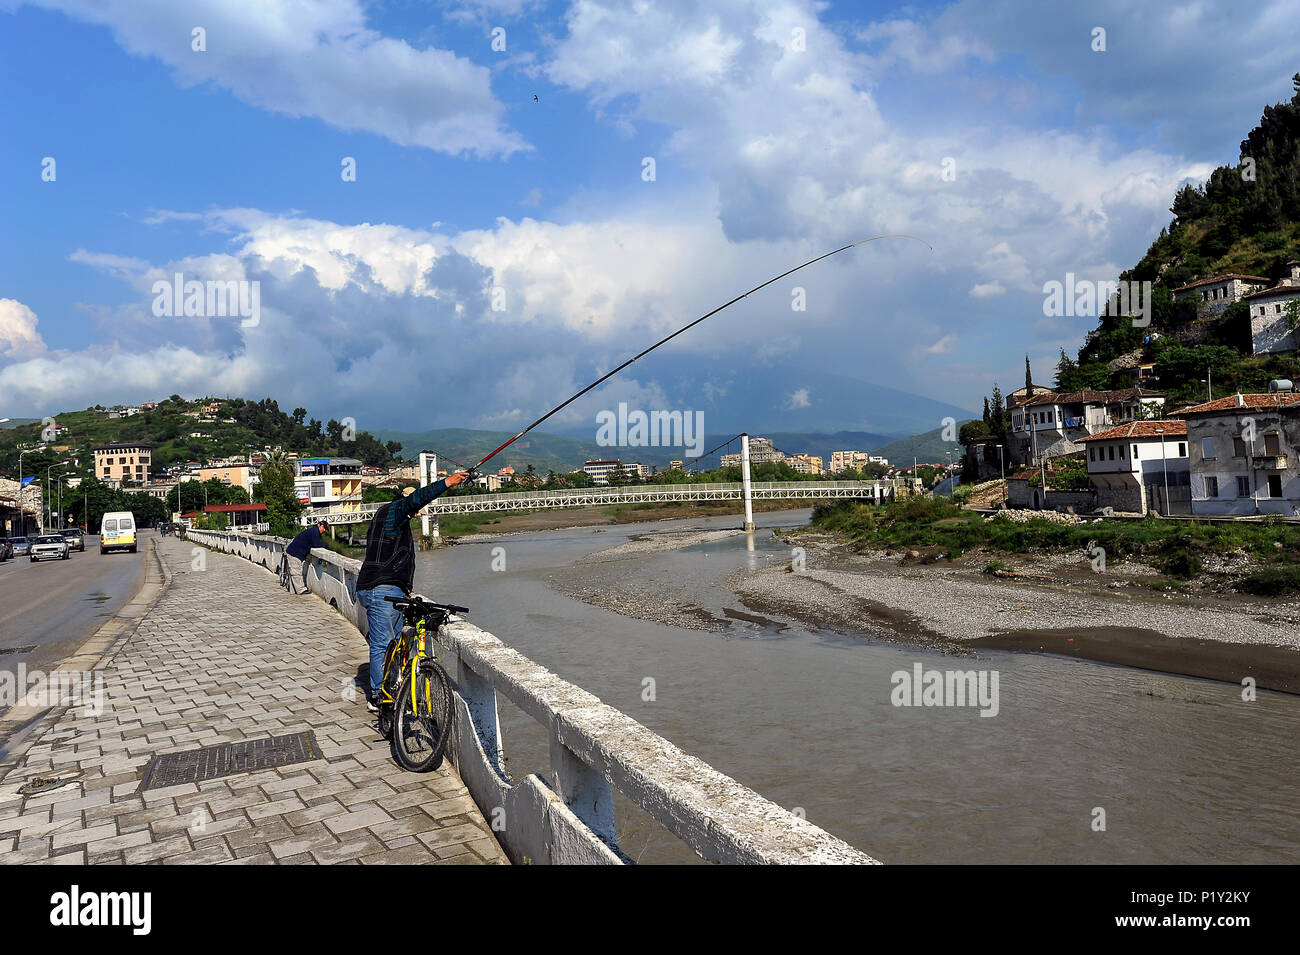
(180, 431)
(1245, 218)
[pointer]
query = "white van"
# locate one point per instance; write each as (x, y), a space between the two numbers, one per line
(117, 530)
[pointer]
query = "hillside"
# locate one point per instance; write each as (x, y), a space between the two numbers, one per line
(928, 447)
(179, 432)
(1245, 219)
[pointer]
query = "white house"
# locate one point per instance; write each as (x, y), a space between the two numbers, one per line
(1217, 292)
(1049, 425)
(1130, 465)
(1270, 325)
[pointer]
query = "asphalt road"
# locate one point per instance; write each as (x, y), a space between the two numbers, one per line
(52, 606)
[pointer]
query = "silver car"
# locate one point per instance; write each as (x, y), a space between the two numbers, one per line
(49, 545)
(21, 546)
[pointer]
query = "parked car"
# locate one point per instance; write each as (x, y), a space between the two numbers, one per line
(49, 545)
(117, 531)
(76, 540)
(6, 549)
(21, 546)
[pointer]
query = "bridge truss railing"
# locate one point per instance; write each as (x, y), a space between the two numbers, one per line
(633, 494)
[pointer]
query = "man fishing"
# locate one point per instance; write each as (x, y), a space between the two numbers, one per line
(389, 571)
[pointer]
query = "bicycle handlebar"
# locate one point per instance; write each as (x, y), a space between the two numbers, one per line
(420, 604)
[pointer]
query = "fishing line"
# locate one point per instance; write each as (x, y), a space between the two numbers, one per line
(603, 378)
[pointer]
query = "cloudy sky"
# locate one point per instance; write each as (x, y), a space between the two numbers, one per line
(501, 153)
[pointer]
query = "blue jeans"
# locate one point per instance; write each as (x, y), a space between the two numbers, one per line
(385, 623)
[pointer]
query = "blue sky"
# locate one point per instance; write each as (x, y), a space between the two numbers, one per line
(770, 146)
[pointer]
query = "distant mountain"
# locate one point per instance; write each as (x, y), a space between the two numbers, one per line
(546, 451)
(785, 399)
(17, 422)
(927, 448)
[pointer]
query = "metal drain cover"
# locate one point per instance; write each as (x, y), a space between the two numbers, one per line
(227, 759)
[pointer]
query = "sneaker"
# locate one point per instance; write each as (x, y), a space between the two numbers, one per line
(372, 705)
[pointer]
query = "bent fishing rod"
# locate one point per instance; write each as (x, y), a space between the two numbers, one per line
(663, 341)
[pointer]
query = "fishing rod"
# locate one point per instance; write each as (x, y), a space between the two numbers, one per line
(603, 378)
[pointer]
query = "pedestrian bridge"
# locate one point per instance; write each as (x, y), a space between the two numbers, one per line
(633, 494)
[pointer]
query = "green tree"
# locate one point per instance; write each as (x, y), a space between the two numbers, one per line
(275, 490)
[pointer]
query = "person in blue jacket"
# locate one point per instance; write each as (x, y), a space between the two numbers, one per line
(299, 550)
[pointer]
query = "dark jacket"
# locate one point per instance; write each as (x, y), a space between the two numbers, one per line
(390, 549)
(301, 545)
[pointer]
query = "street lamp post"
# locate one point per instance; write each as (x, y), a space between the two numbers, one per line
(1002, 467)
(47, 490)
(22, 518)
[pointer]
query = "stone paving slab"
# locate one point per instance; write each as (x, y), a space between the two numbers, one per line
(223, 654)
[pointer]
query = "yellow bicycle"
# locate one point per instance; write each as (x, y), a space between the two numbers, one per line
(415, 699)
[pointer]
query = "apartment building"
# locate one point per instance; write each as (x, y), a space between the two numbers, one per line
(1242, 452)
(123, 464)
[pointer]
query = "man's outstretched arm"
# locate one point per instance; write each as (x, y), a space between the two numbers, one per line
(404, 508)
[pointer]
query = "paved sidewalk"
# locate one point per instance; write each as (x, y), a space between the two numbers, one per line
(224, 655)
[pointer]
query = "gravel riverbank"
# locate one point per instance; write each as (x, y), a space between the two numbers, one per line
(1052, 605)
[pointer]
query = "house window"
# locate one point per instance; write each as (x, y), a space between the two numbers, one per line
(1238, 448)
(1243, 486)
(1135, 452)
(1275, 485)
(1112, 452)
(1211, 487)
(317, 488)
(1271, 445)
(1182, 449)
(1207, 448)
(1121, 452)
(1092, 454)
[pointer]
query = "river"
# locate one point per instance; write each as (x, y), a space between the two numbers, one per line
(1178, 770)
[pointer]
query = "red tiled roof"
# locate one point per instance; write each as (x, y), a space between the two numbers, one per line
(1275, 290)
(1282, 399)
(1226, 276)
(1096, 397)
(1140, 429)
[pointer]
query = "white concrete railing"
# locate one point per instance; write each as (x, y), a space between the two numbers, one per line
(632, 494)
(594, 749)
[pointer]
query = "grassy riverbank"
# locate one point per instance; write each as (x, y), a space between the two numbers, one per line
(1178, 549)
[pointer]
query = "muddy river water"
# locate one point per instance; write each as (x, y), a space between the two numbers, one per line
(1175, 769)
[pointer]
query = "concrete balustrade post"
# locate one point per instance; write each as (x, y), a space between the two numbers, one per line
(481, 699)
(587, 793)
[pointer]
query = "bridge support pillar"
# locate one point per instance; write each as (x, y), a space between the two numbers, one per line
(746, 490)
(428, 474)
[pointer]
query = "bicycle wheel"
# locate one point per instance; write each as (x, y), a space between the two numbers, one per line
(421, 730)
(284, 572)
